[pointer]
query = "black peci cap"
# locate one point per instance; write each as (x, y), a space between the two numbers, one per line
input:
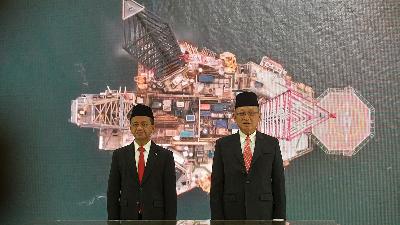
(246, 99)
(140, 110)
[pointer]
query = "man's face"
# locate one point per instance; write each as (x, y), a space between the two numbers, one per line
(247, 118)
(141, 128)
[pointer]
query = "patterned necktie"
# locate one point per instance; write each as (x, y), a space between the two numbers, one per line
(247, 156)
(141, 163)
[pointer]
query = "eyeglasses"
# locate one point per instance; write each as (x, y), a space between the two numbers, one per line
(242, 114)
(136, 125)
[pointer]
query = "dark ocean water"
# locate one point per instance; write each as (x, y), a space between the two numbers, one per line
(52, 51)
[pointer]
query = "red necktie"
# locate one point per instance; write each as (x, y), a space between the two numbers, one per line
(247, 156)
(141, 163)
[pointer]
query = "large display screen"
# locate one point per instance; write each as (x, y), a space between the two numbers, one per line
(325, 72)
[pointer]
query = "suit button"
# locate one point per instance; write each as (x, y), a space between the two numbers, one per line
(248, 182)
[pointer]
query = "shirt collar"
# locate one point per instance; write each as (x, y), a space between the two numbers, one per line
(146, 146)
(243, 135)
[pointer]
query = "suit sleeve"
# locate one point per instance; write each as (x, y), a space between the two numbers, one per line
(170, 202)
(278, 185)
(113, 190)
(217, 185)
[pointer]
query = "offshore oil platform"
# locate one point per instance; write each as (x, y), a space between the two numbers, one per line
(191, 92)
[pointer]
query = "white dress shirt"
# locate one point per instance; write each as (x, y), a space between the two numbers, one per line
(145, 153)
(243, 140)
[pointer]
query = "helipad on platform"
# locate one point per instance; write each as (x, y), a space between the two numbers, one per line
(352, 126)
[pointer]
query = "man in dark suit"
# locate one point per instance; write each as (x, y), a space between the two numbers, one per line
(247, 180)
(142, 180)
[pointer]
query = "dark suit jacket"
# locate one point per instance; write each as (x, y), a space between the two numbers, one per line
(236, 195)
(156, 194)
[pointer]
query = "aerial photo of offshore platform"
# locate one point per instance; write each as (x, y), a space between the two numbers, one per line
(191, 91)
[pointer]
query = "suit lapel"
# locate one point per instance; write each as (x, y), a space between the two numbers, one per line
(258, 148)
(131, 162)
(150, 161)
(237, 149)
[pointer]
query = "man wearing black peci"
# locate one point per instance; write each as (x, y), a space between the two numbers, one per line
(247, 180)
(142, 180)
